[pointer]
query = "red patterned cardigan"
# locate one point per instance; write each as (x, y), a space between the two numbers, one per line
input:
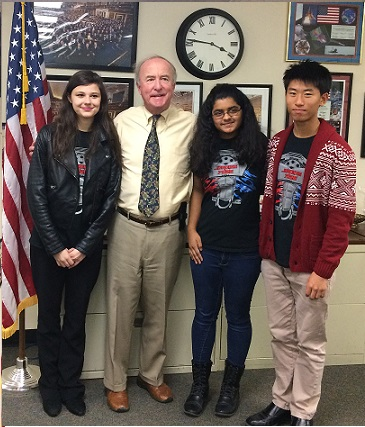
(326, 208)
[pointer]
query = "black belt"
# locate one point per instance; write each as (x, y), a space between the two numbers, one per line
(147, 222)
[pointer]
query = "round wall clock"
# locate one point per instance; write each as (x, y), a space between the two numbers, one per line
(209, 43)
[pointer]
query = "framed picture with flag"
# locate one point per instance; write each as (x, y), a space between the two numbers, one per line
(92, 35)
(119, 91)
(325, 32)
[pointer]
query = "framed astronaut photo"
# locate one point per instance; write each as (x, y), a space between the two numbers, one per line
(325, 32)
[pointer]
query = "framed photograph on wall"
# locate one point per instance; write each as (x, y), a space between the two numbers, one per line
(337, 109)
(119, 91)
(92, 35)
(260, 97)
(325, 32)
(0, 50)
(188, 96)
(362, 152)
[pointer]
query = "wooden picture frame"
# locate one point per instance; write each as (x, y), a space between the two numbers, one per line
(119, 90)
(337, 110)
(89, 35)
(362, 151)
(188, 96)
(260, 96)
(325, 32)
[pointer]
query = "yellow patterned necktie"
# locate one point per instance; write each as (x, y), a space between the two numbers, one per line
(149, 193)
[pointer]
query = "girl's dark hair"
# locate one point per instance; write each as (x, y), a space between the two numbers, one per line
(250, 143)
(65, 123)
(309, 71)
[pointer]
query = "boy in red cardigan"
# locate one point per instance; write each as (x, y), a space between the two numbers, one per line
(308, 208)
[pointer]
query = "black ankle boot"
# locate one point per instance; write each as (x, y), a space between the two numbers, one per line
(230, 391)
(198, 397)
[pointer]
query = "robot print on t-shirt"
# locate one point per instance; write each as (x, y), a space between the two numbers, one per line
(290, 180)
(228, 180)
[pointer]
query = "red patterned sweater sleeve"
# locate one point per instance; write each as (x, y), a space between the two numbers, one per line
(341, 206)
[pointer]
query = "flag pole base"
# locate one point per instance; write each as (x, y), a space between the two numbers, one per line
(21, 377)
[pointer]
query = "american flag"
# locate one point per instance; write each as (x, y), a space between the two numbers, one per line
(328, 15)
(28, 108)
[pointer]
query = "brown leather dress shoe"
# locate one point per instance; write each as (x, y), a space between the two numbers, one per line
(117, 400)
(161, 393)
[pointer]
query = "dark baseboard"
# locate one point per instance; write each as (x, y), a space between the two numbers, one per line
(30, 338)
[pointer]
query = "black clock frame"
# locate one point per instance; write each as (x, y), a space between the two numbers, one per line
(181, 38)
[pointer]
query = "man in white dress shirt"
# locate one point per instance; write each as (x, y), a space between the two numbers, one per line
(144, 253)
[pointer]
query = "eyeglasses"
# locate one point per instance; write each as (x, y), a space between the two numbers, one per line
(232, 111)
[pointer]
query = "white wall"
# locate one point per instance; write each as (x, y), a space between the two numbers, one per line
(265, 30)
(264, 26)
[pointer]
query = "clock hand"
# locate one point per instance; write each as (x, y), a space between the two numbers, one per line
(221, 48)
(198, 41)
(210, 43)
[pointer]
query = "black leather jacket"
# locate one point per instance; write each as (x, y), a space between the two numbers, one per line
(53, 194)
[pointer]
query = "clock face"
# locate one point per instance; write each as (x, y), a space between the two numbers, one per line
(209, 43)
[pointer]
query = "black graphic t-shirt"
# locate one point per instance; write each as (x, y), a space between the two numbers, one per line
(80, 152)
(288, 193)
(229, 219)
(77, 229)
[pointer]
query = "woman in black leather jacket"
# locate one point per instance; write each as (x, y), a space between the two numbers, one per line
(73, 183)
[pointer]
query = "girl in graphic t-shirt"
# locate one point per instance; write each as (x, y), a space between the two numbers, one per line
(227, 159)
(73, 183)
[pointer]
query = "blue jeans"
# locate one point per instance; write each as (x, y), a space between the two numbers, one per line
(236, 274)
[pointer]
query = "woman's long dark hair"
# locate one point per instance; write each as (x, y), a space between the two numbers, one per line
(249, 143)
(66, 126)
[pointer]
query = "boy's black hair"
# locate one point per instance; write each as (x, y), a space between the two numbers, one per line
(309, 71)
